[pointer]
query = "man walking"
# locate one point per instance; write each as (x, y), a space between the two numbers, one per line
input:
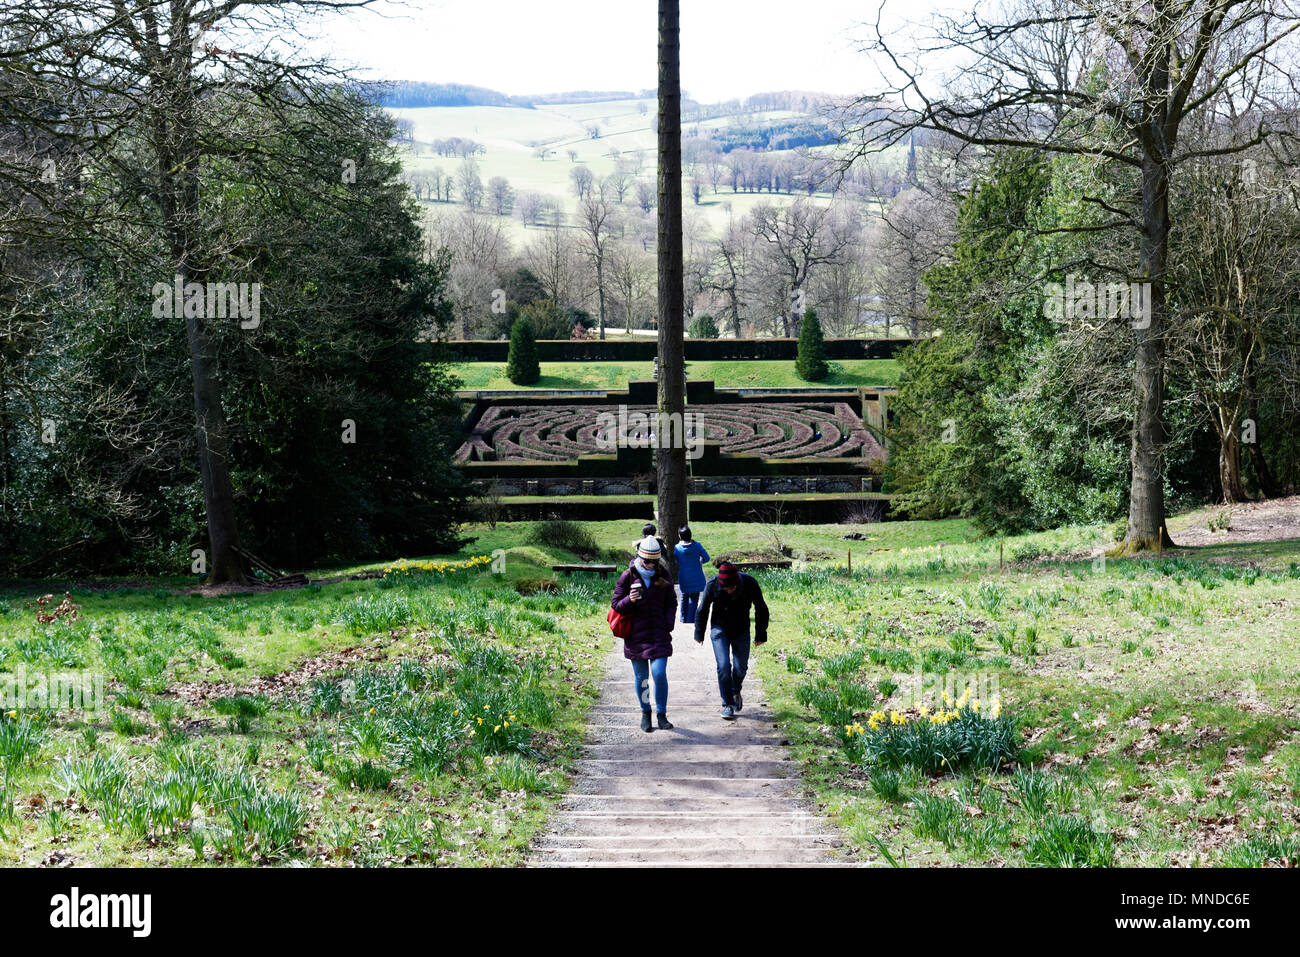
(729, 596)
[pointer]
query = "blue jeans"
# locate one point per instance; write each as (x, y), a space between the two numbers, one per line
(731, 652)
(690, 602)
(642, 670)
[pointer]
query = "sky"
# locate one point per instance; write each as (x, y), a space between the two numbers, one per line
(730, 48)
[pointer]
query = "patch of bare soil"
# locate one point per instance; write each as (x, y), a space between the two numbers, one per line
(1268, 521)
(259, 587)
(286, 682)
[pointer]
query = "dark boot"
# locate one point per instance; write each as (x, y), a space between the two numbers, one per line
(664, 723)
(645, 721)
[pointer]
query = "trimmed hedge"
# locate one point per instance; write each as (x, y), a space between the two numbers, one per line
(645, 350)
(807, 509)
(699, 392)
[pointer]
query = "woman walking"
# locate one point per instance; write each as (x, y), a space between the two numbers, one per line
(644, 594)
(691, 559)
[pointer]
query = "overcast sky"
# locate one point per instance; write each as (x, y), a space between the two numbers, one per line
(730, 48)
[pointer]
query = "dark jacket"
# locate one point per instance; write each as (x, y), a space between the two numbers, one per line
(731, 612)
(652, 617)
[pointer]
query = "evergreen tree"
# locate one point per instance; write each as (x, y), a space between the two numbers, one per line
(811, 362)
(522, 367)
(703, 327)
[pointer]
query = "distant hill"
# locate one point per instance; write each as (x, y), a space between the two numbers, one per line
(411, 94)
(587, 96)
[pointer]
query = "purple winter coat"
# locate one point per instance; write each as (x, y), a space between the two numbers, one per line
(652, 617)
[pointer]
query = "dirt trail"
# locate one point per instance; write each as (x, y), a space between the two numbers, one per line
(707, 793)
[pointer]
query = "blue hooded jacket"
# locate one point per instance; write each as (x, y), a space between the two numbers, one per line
(691, 559)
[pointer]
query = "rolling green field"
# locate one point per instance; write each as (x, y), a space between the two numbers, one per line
(511, 134)
(852, 373)
(1145, 709)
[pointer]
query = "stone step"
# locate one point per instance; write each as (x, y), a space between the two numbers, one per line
(616, 705)
(655, 833)
(704, 805)
(653, 768)
(681, 749)
(706, 863)
(658, 742)
(720, 852)
(688, 787)
(686, 841)
(707, 793)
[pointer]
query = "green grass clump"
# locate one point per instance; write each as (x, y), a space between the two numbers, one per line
(1069, 841)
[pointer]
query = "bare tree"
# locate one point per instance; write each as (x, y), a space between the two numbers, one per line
(631, 274)
(731, 269)
(479, 247)
(470, 182)
(1235, 268)
(501, 195)
(794, 240)
(596, 220)
(620, 180)
(914, 233)
(583, 179)
(555, 260)
(1088, 77)
(645, 195)
(529, 205)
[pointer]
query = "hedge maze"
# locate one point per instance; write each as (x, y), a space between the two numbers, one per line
(771, 430)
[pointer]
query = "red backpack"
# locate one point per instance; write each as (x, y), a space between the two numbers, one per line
(620, 625)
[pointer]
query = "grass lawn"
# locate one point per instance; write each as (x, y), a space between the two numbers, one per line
(419, 718)
(750, 373)
(1153, 702)
(1147, 707)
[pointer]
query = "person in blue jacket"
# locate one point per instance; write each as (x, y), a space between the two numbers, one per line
(691, 559)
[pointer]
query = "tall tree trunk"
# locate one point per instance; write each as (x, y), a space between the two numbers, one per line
(1230, 466)
(600, 289)
(1147, 529)
(6, 476)
(670, 462)
(224, 565)
(178, 166)
(1267, 483)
